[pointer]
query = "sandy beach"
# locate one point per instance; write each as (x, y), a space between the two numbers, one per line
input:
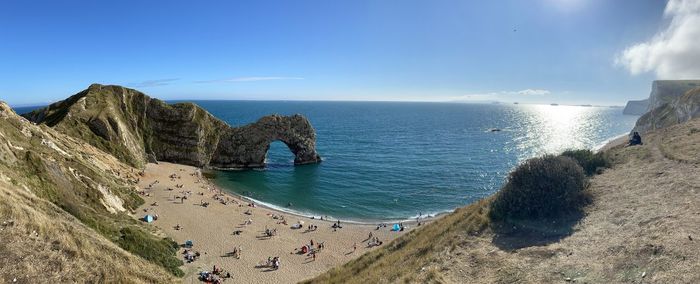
(212, 230)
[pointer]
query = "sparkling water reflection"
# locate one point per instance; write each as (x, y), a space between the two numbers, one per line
(393, 160)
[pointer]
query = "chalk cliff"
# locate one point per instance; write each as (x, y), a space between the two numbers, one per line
(675, 111)
(636, 107)
(136, 129)
(665, 91)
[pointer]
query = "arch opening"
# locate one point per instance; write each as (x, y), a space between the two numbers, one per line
(279, 154)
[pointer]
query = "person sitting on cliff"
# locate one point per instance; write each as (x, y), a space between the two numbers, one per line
(636, 139)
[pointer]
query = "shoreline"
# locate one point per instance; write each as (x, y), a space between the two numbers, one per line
(218, 222)
(612, 142)
(425, 218)
(603, 146)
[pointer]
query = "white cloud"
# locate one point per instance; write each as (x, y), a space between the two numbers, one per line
(250, 79)
(153, 83)
(533, 92)
(673, 53)
(503, 94)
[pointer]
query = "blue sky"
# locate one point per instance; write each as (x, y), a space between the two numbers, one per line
(564, 51)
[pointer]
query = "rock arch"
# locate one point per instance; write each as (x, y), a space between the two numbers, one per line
(136, 128)
(247, 146)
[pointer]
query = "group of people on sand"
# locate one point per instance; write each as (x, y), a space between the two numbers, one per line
(374, 241)
(215, 276)
(270, 233)
(236, 252)
(272, 262)
(336, 225)
(174, 176)
(190, 255)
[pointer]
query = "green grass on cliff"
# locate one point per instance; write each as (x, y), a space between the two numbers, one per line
(159, 251)
(71, 181)
(84, 204)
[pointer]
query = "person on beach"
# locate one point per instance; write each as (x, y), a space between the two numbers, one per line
(354, 247)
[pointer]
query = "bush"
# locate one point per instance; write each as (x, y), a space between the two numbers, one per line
(589, 161)
(159, 251)
(541, 188)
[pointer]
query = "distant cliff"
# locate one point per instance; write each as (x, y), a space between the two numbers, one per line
(636, 107)
(665, 91)
(136, 128)
(670, 108)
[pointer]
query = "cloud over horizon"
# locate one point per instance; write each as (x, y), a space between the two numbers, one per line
(153, 83)
(503, 94)
(673, 53)
(250, 79)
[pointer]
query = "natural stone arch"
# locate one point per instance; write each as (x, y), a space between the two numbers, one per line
(247, 146)
(136, 128)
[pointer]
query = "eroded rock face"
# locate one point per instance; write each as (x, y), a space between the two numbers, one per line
(666, 91)
(675, 111)
(136, 129)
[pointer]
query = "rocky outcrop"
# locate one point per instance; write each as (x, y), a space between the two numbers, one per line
(666, 91)
(636, 107)
(675, 111)
(136, 129)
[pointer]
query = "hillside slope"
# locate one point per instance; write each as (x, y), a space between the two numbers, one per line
(136, 129)
(64, 211)
(643, 226)
(677, 110)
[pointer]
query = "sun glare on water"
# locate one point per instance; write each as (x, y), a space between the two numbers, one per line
(553, 129)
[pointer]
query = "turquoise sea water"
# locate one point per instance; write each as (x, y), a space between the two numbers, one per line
(386, 160)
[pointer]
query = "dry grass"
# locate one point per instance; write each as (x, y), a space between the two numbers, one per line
(42, 243)
(76, 199)
(408, 258)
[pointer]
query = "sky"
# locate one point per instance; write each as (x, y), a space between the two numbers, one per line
(539, 51)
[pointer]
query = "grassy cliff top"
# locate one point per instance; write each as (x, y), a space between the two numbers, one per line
(73, 200)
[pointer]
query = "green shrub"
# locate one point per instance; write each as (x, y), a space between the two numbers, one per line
(589, 161)
(159, 251)
(547, 187)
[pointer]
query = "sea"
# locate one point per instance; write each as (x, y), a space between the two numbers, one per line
(387, 161)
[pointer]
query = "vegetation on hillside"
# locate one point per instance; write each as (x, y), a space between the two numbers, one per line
(591, 162)
(541, 188)
(403, 259)
(90, 185)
